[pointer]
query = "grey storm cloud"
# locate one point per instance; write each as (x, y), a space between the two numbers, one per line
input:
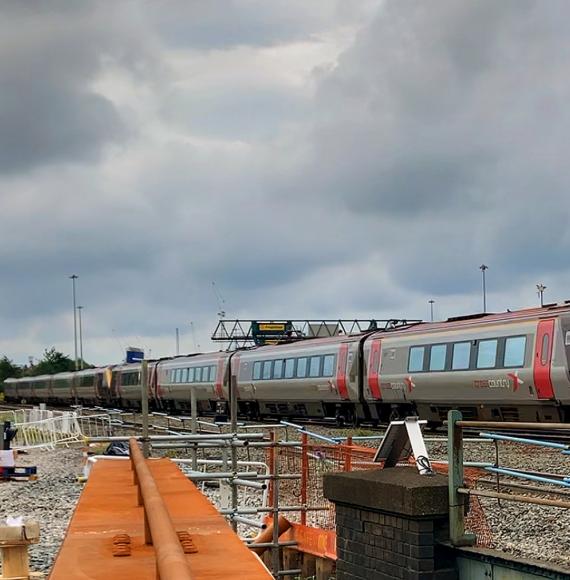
(447, 121)
(51, 52)
(426, 139)
(222, 24)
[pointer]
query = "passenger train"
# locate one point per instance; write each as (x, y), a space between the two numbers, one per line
(506, 367)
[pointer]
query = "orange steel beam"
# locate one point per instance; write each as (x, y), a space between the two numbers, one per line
(266, 535)
(171, 562)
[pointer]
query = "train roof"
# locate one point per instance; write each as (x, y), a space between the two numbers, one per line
(458, 322)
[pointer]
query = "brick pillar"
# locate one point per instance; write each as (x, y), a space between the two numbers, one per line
(389, 523)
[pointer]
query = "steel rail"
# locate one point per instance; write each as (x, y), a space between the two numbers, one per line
(171, 562)
(514, 497)
(514, 425)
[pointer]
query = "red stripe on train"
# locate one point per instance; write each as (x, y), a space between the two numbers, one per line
(375, 358)
(341, 371)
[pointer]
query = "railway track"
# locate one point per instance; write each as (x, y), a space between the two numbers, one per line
(163, 422)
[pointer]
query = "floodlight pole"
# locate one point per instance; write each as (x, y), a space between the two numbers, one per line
(541, 288)
(431, 302)
(482, 267)
(79, 309)
(74, 277)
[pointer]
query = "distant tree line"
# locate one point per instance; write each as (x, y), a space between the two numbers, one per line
(52, 362)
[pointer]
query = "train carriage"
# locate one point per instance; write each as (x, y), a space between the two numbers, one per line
(126, 385)
(63, 389)
(498, 367)
(87, 385)
(11, 389)
(203, 372)
(302, 379)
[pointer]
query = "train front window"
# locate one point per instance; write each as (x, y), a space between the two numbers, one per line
(487, 354)
(257, 371)
(544, 351)
(437, 357)
(416, 362)
(514, 351)
(461, 353)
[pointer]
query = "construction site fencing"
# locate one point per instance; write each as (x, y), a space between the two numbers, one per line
(61, 429)
(313, 460)
(46, 428)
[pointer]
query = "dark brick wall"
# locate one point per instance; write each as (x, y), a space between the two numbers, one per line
(372, 544)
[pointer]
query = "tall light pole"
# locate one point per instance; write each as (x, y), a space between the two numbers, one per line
(541, 288)
(482, 267)
(431, 302)
(177, 341)
(74, 277)
(79, 309)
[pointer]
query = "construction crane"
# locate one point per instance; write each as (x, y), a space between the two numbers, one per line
(221, 302)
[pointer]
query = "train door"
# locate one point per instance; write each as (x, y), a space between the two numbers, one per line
(219, 378)
(543, 359)
(374, 360)
(341, 372)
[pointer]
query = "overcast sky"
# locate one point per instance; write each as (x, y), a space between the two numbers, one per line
(331, 158)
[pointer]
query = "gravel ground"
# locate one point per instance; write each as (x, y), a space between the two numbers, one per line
(50, 500)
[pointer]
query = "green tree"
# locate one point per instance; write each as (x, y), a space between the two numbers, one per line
(8, 369)
(52, 362)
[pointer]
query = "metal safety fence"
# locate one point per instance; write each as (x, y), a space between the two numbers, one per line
(37, 428)
(312, 460)
(60, 429)
(463, 488)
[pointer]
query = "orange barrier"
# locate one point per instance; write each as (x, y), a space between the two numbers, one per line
(105, 539)
(171, 563)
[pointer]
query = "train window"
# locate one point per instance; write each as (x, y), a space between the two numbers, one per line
(278, 369)
(544, 351)
(416, 362)
(301, 367)
(514, 351)
(487, 354)
(315, 366)
(198, 375)
(184, 375)
(461, 354)
(213, 373)
(257, 371)
(87, 381)
(205, 374)
(289, 368)
(191, 375)
(328, 365)
(437, 356)
(266, 374)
